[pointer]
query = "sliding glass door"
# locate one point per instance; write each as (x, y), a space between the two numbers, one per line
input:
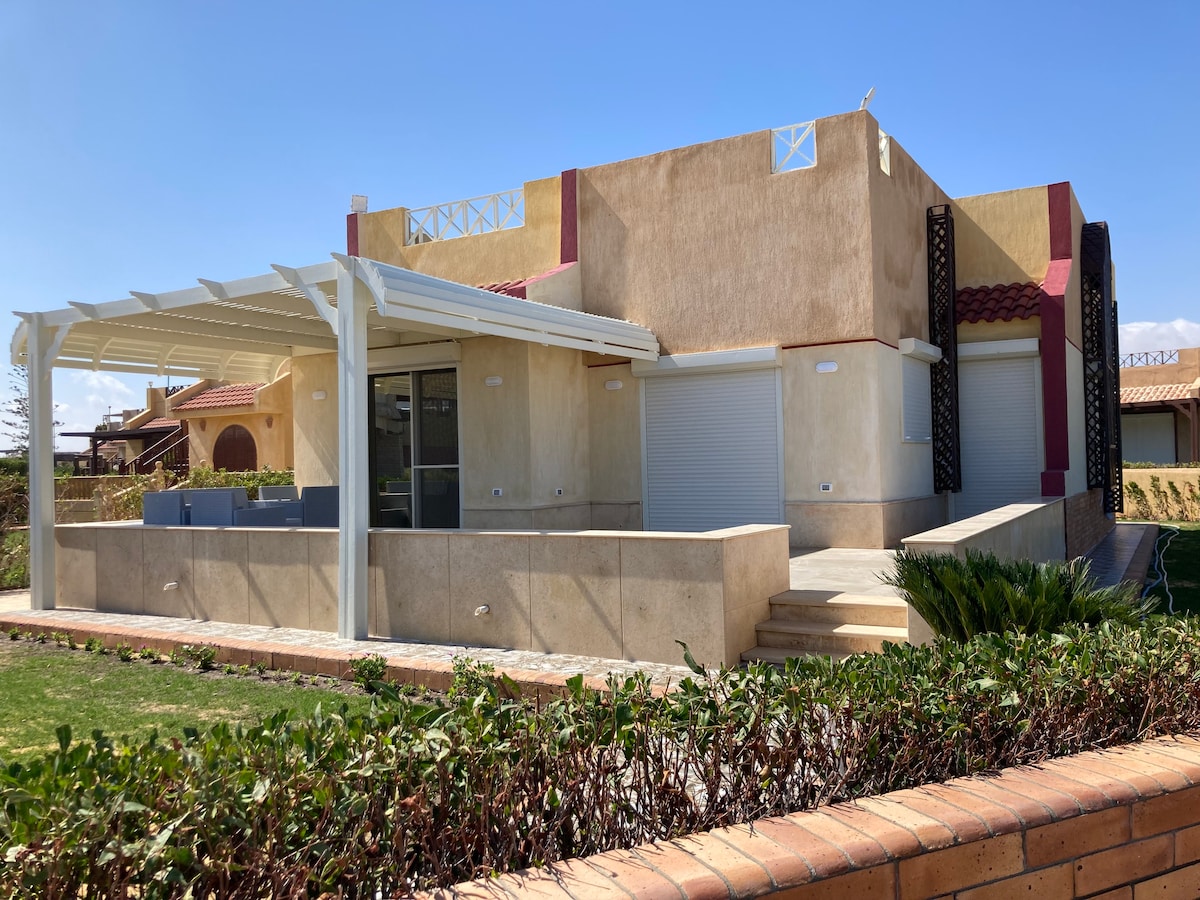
(414, 450)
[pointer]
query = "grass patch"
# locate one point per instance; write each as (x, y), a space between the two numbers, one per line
(43, 686)
(1182, 562)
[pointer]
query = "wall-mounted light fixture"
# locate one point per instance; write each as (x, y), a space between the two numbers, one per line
(319, 395)
(824, 368)
(270, 421)
(493, 381)
(613, 385)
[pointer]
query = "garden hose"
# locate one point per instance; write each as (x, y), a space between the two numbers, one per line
(1160, 550)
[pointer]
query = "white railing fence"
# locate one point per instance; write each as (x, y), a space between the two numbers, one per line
(793, 147)
(459, 218)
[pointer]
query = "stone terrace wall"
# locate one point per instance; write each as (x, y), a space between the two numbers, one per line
(1121, 823)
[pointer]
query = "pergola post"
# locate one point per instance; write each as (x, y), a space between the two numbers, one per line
(40, 360)
(354, 427)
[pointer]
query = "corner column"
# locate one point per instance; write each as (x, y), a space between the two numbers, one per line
(40, 350)
(353, 300)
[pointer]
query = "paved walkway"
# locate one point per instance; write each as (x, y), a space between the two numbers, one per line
(319, 652)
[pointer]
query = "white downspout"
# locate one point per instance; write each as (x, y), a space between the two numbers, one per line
(353, 300)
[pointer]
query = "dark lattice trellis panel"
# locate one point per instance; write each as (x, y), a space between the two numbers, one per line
(943, 374)
(1101, 371)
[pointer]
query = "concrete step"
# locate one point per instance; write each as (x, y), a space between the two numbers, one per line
(825, 637)
(778, 656)
(839, 609)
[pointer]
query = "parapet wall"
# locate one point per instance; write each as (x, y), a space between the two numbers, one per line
(611, 594)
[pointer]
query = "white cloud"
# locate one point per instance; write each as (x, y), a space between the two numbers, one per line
(105, 385)
(1141, 337)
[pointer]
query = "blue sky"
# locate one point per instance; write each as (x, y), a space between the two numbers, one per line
(145, 144)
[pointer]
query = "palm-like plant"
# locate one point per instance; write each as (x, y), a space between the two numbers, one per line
(960, 598)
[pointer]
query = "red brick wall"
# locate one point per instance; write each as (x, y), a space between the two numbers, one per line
(1121, 823)
(1087, 523)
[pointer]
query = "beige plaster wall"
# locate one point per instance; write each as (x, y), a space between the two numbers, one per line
(558, 426)
(872, 525)
(831, 423)
(509, 255)
(495, 449)
(899, 259)
(315, 422)
(708, 249)
(273, 442)
(1186, 371)
(1076, 478)
(975, 332)
(1002, 238)
(605, 594)
(615, 435)
(845, 427)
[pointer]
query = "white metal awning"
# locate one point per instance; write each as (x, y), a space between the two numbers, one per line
(243, 330)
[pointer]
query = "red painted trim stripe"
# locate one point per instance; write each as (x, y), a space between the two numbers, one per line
(352, 234)
(1062, 242)
(569, 228)
(1054, 341)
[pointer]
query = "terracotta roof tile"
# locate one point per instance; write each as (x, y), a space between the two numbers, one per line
(160, 422)
(998, 302)
(518, 288)
(1158, 393)
(229, 395)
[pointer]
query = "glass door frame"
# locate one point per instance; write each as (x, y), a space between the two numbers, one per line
(372, 466)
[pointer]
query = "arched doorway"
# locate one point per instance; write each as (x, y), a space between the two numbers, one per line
(235, 450)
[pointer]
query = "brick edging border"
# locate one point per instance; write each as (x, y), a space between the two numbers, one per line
(431, 674)
(1127, 818)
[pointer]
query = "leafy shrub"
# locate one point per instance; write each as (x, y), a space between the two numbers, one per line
(983, 594)
(413, 795)
(204, 655)
(1194, 464)
(14, 560)
(124, 652)
(93, 645)
(368, 671)
(251, 481)
(1171, 503)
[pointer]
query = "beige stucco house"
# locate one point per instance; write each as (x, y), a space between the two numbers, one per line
(1160, 406)
(794, 327)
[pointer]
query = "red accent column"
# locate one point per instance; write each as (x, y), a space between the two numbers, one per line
(1054, 342)
(352, 234)
(569, 229)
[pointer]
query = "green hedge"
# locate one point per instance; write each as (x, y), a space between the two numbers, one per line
(413, 795)
(251, 481)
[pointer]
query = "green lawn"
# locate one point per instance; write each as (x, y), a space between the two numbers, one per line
(1182, 562)
(43, 686)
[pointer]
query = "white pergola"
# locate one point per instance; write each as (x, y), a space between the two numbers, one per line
(244, 330)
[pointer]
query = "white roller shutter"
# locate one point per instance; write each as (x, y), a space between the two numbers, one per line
(999, 434)
(1148, 437)
(712, 451)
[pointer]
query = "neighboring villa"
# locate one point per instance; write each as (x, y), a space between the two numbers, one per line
(792, 327)
(238, 427)
(1160, 406)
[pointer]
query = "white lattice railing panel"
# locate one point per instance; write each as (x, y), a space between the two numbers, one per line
(459, 218)
(885, 153)
(794, 147)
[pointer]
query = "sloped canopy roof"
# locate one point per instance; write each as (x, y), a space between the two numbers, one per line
(243, 330)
